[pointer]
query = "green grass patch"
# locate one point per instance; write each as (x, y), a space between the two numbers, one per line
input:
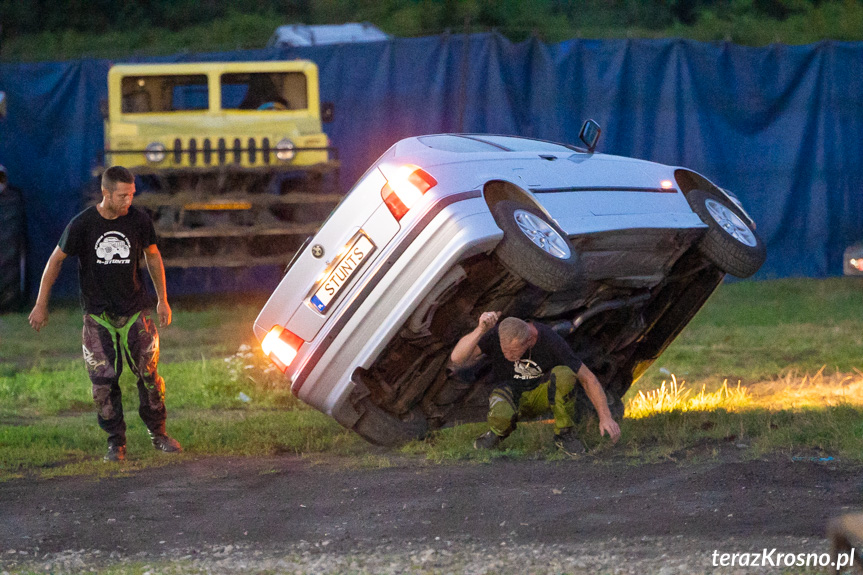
(757, 331)
(765, 368)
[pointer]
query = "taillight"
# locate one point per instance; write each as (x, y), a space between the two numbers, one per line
(405, 188)
(281, 346)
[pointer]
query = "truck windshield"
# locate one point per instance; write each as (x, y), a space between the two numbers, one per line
(264, 91)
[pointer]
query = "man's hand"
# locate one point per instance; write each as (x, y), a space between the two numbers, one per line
(466, 349)
(609, 426)
(38, 317)
(163, 310)
(597, 397)
(487, 320)
(157, 274)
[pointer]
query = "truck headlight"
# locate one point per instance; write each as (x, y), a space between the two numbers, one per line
(285, 150)
(155, 152)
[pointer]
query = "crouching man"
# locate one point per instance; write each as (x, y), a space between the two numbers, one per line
(536, 371)
(111, 240)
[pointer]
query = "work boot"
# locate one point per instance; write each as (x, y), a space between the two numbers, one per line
(568, 442)
(115, 453)
(166, 443)
(488, 440)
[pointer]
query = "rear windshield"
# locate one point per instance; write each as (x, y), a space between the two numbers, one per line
(515, 144)
(457, 144)
(264, 91)
(463, 143)
(169, 93)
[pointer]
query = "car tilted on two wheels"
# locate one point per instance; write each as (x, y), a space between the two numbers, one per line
(616, 254)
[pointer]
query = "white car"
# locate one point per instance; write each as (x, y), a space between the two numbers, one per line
(617, 254)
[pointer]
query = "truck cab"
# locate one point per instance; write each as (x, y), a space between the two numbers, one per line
(231, 156)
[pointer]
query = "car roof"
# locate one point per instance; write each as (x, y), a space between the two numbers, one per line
(496, 156)
(490, 143)
(458, 148)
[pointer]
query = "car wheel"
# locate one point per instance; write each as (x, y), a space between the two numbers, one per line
(730, 243)
(534, 248)
(381, 428)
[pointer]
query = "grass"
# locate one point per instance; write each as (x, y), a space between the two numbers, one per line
(757, 331)
(765, 368)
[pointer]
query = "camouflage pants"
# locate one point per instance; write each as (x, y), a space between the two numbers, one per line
(106, 341)
(557, 394)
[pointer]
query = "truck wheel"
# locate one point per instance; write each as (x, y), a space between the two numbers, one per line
(730, 243)
(535, 248)
(11, 249)
(381, 428)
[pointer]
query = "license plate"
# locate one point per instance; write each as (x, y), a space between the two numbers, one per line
(339, 275)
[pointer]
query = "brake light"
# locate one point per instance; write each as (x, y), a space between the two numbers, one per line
(281, 346)
(405, 189)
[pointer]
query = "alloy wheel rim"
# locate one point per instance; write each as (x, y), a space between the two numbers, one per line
(542, 234)
(733, 225)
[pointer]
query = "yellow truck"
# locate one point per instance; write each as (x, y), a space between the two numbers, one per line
(232, 159)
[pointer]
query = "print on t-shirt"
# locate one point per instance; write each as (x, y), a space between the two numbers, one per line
(111, 245)
(526, 369)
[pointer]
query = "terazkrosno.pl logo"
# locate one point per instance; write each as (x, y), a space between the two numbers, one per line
(113, 248)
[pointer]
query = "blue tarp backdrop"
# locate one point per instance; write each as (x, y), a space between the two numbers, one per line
(780, 126)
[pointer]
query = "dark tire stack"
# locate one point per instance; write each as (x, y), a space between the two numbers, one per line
(12, 233)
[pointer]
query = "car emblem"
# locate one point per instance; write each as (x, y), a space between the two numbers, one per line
(318, 250)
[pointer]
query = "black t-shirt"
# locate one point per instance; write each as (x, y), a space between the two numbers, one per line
(549, 351)
(110, 254)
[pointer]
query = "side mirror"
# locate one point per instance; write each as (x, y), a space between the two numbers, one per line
(2, 104)
(589, 134)
(328, 110)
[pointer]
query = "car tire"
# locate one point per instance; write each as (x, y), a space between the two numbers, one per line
(730, 242)
(381, 428)
(535, 248)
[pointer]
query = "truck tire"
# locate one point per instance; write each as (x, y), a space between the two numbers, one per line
(11, 249)
(535, 248)
(730, 242)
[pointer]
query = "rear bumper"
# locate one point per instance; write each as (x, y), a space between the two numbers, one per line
(449, 231)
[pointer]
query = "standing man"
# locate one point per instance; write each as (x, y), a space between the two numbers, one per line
(110, 240)
(536, 372)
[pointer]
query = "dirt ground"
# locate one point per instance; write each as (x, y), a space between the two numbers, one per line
(652, 515)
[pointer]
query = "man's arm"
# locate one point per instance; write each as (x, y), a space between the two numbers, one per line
(467, 349)
(157, 274)
(39, 316)
(597, 397)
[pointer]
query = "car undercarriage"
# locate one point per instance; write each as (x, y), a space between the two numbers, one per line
(639, 290)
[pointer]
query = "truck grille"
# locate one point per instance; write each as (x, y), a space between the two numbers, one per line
(203, 152)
